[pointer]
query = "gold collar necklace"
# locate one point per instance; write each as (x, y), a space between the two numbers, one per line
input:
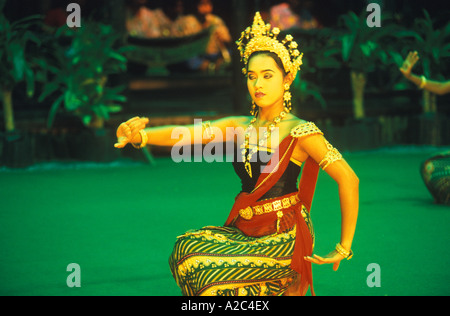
(263, 141)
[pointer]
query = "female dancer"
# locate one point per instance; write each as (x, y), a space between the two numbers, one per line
(435, 170)
(265, 246)
(437, 87)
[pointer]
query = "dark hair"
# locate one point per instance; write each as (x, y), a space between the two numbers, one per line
(273, 56)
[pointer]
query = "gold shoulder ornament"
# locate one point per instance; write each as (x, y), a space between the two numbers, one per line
(305, 129)
(309, 128)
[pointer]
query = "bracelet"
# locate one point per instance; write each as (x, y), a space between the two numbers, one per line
(341, 250)
(423, 82)
(206, 127)
(144, 140)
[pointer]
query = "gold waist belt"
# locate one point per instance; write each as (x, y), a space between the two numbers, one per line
(274, 206)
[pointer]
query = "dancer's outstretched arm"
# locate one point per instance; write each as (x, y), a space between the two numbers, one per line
(171, 135)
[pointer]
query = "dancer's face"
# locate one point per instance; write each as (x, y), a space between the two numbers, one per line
(265, 81)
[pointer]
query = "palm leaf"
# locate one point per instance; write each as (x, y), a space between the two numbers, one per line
(348, 41)
(30, 81)
(53, 110)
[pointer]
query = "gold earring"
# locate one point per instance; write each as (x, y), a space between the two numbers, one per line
(287, 102)
(287, 98)
(254, 110)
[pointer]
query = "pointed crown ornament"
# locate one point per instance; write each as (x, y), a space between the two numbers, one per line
(261, 37)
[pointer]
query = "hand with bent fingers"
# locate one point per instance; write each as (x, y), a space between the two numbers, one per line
(332, 258)
(128, 132)
(409, 63)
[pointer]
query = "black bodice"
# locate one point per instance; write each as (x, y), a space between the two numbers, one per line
(286, 184)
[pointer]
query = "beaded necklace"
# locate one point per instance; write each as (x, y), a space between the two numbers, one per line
(263, 141)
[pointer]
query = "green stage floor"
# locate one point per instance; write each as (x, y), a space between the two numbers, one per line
(119, 223)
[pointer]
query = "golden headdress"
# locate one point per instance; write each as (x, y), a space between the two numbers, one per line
(261, 37)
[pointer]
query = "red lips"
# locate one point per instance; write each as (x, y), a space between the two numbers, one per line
(259, 94)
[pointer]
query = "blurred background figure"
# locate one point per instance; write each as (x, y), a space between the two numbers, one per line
(141, 21)
(183, 23)
(282, 15)
(307, 19)
(56, 16)
(293, 14)
(436, 87)
(217, 51)
(435, 170)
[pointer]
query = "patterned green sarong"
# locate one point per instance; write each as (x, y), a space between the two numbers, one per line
(222, 261)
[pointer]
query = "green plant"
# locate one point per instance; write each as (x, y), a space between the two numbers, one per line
(81, 70)
(362, 49)
(305, 86)
(18, 60)
(307, 89)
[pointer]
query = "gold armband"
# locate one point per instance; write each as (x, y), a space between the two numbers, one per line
(331, 156)
(144, 140)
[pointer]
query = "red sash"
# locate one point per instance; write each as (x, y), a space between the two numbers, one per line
(270, 175)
